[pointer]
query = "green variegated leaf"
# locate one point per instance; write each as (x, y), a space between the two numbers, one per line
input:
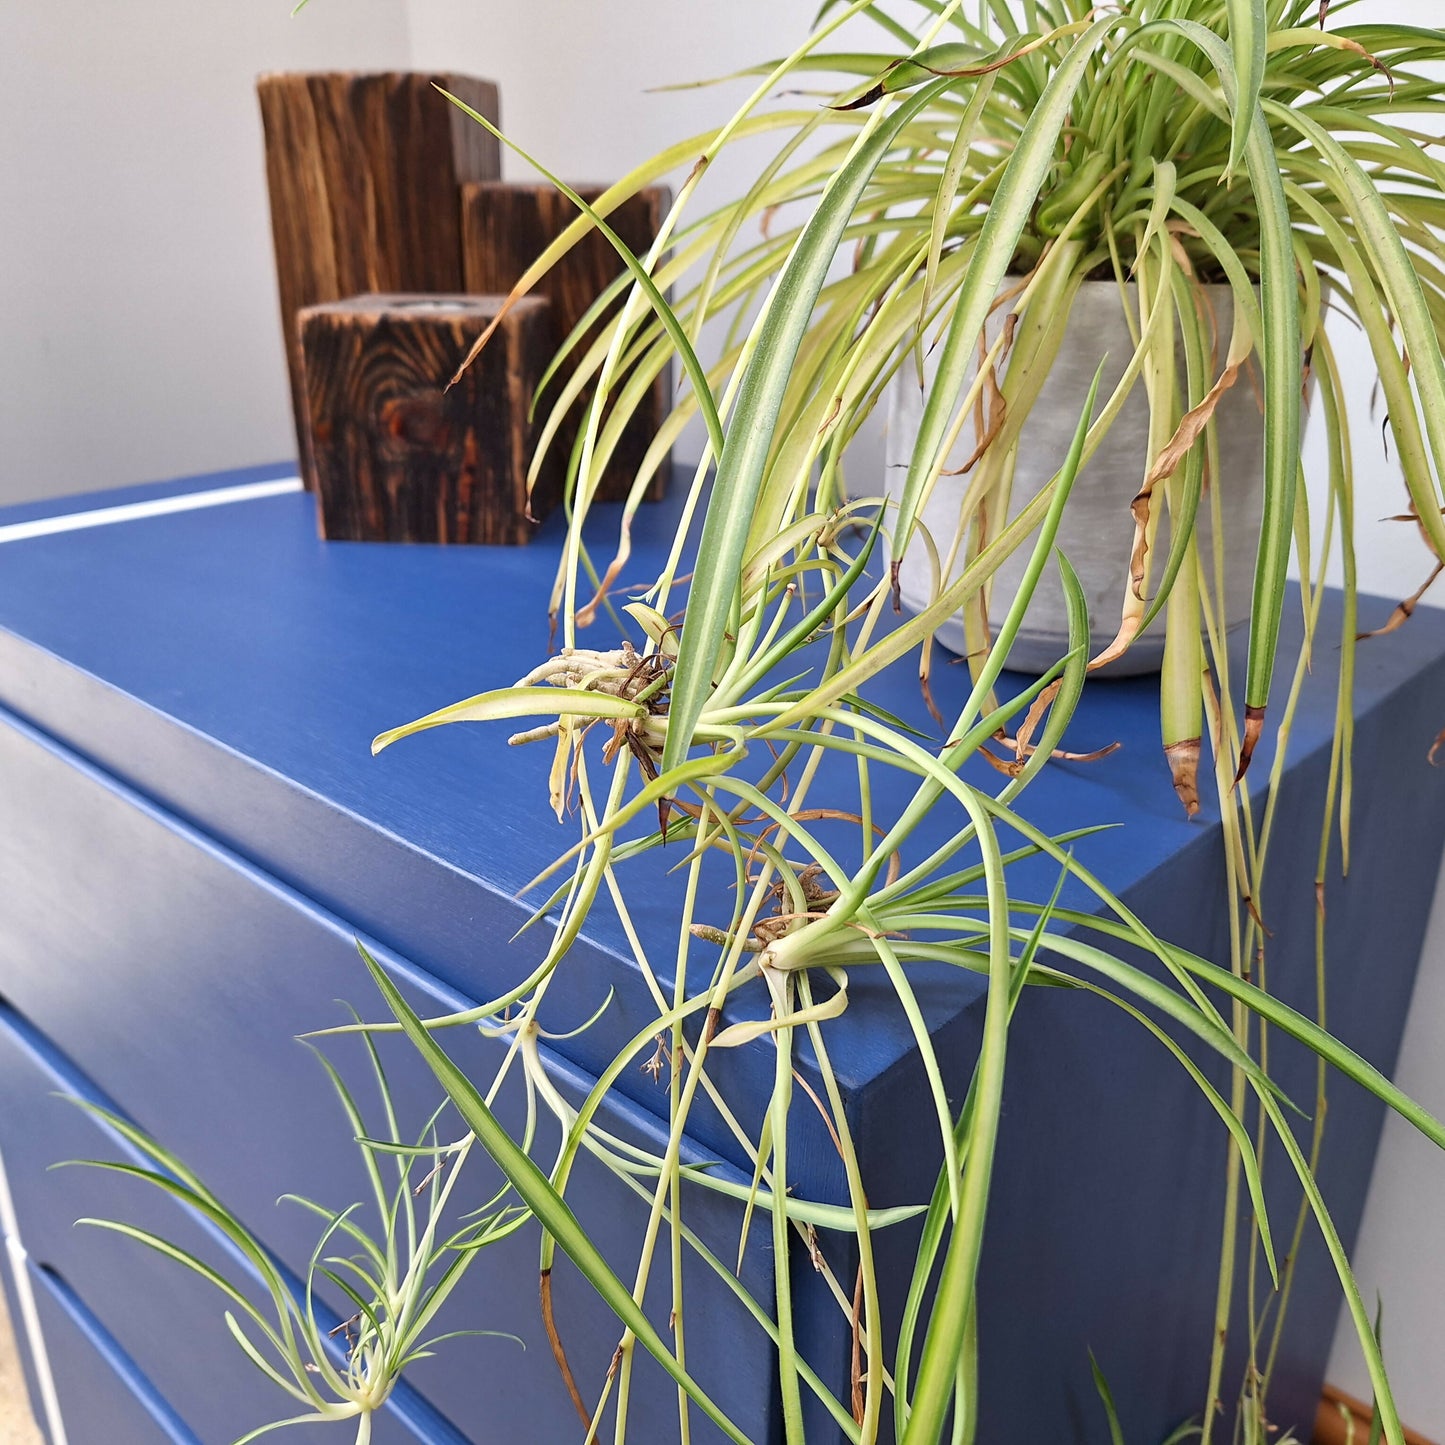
(512, 702)
(713, 596)
(1248, 37)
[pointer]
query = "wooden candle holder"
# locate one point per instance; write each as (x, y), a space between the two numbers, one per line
(397, 457)
(505, 227)
(364, 171)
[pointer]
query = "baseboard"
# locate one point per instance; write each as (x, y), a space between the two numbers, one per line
(1344, 1420)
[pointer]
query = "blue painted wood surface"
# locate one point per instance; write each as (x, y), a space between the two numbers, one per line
(110, 1399)
(195, 1034)
(193, 826)
(156, 1322)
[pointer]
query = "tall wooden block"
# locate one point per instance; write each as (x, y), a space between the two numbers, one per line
(364, 172)
(505, 227)
(397, 457)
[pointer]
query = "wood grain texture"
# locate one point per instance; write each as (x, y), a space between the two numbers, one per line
(397, 456)
(1344, 1420)
(505, 227)
(363, 172)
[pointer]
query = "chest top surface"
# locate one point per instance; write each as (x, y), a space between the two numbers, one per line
(230, 664)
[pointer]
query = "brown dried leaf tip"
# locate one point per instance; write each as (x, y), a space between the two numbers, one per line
(1184, 764)
(874, 92)
(1191, 428)
(1139, 508)
(1402, 613)
(1253, 728)
(559, 1354)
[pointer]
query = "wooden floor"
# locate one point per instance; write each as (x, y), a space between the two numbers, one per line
(16, 1426)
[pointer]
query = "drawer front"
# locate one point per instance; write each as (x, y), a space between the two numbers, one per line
(108, 1400)
(161, 1324)
(176, 978)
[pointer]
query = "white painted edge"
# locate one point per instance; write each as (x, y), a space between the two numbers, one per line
(29, 1321)
(157, 507)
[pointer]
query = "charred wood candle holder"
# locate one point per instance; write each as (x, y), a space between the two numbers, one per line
(505, 227)
(397, 456)
(364, 172)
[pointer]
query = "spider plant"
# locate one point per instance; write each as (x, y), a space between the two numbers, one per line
(1257, 143)
(806, 916)
(1260, 145)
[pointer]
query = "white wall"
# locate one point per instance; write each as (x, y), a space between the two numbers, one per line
(1391, 557)
(139, 329)
(580, 82)
(1401, 1253)
(1400, 1258)
(139, 336)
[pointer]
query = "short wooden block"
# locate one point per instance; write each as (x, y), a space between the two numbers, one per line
(363, 172)
(505, 227)
(399, 458)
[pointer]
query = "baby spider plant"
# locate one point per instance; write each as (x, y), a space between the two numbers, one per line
(386, 1269)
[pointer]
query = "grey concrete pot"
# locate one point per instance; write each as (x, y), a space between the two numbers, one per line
(1097, 529)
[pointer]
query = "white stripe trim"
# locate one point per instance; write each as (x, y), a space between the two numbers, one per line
(158, 507)
(29, 1321)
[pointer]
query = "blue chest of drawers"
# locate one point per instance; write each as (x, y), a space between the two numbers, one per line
(193, 835)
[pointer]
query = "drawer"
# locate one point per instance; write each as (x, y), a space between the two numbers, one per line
(176, 977)
(109, 1400)
(162, 1324)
